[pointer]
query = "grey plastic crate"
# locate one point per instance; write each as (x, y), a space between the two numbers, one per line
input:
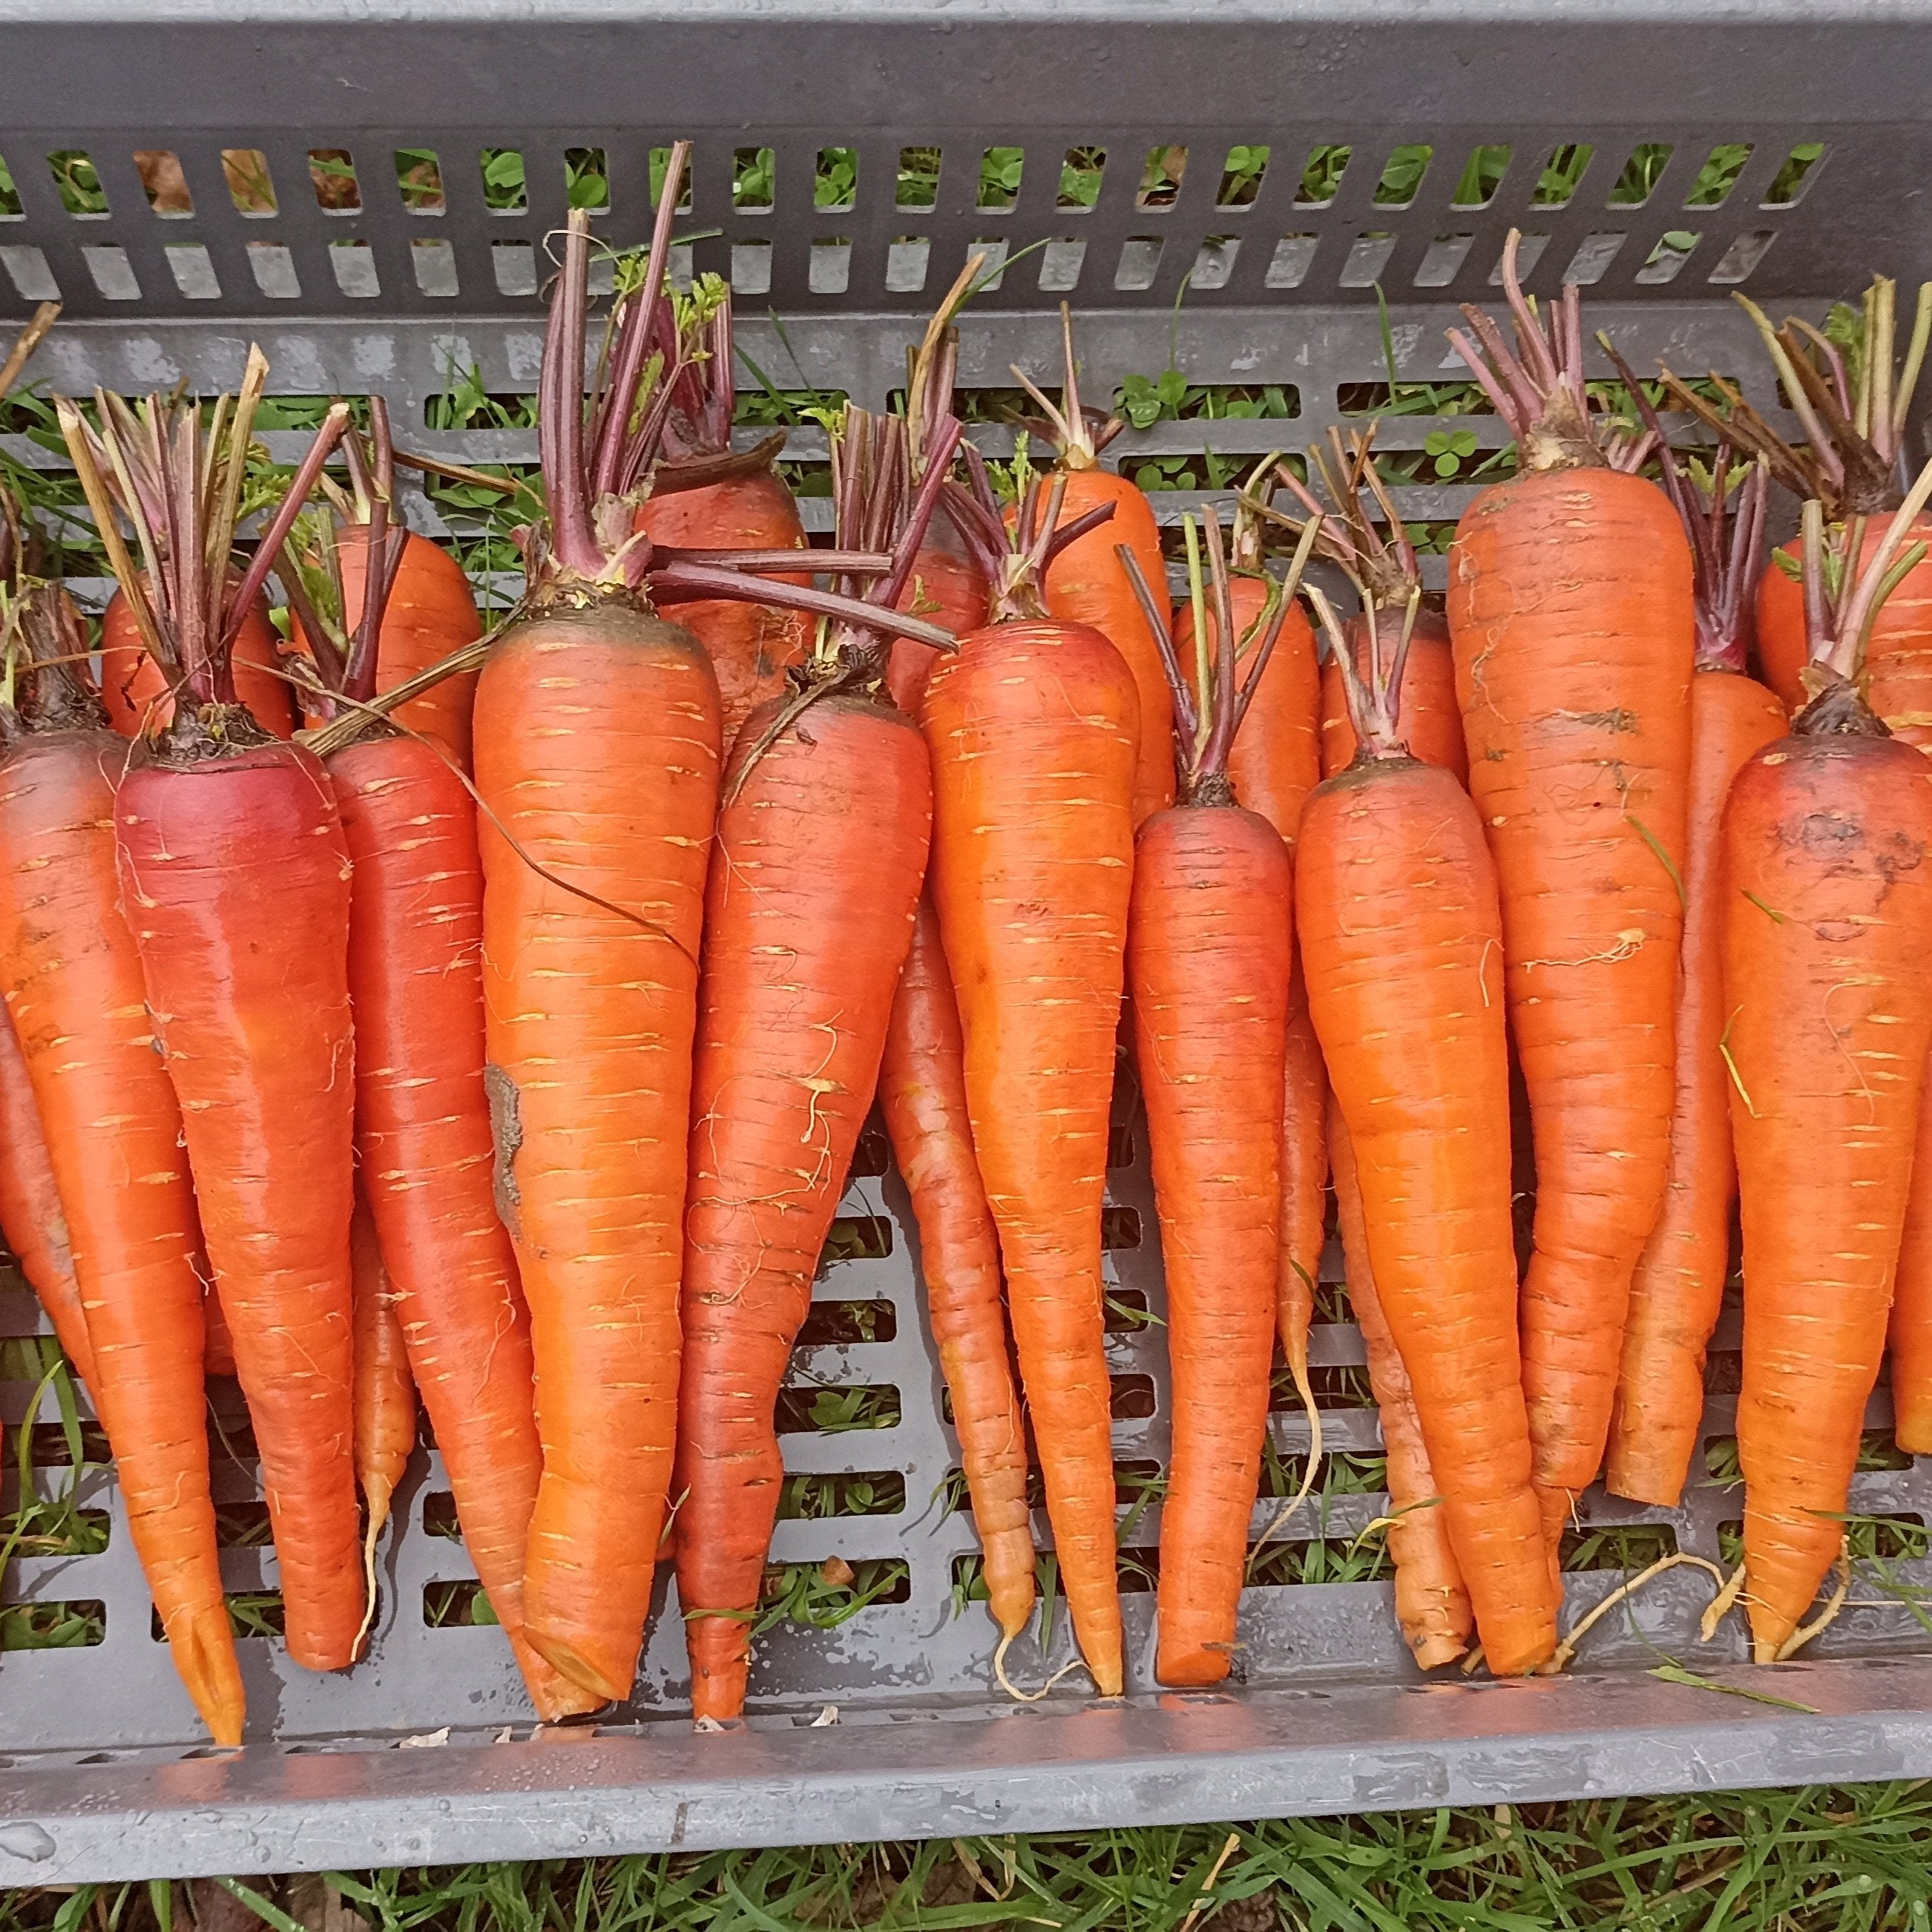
(888, 1724)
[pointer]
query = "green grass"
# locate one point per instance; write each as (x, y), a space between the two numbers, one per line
(1824, 1859)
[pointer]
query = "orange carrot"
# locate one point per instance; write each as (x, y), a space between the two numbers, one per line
(1033, 727)
(73, 987)
(1085, 583)
(385, 1397)
(1396, 898)
(922, 1090)
(1828, 922)
(1678, 1289)
(415, 980)
(139, 696)
(31, 1222)
(235, 877)
(1209, 945)
(803, 943)
(1431, 1604)
(1569, 606)
(705, 497)
(923, 1080)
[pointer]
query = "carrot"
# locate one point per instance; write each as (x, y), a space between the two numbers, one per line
(1209, 947)
(138, 694)
(78, 1025)
(1678, 1289)
(821, 847)
(1570, 611)
(923, 1078)
(923, 1091)
(1854, 438)
(415, 980)
(1828, 923)
(704, 497)
(1033, 728)
(1085, 583)
(385, 1396)
(235, 877)
(1397, 901)
(1431, 1604)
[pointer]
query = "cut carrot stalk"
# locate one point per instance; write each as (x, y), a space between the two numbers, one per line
(1397, 901)
(78, 1026)
(1209, 947)
(1827, 924)
(1085, 583)
(1571, 614)
(705, 497)
(1431, 1605)
(235, 877)
(1033, 728)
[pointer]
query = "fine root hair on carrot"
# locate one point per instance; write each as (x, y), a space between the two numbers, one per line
(1825, 1618)
(1721, 1605)
(1013, 1690)
(1560, 1658)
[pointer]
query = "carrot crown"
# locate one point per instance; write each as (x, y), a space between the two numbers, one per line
(1210, 705)
(1537, 386)
(1844, 593)
(177, 484)
(1014, 560)
(1724, 537)
(1078, 435)
(1852, 402)
(1377, 558)
(311, 569)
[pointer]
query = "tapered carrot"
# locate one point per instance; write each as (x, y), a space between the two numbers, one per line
(139, 696)
(1431, 1604)
(1570, 606)
(423, 1136)
(923, 1091)
(385, 1396)
(923, 1076)
(32, 1222)
(1396, 902)
(235, 877)
(705, 497)
(1209, 948)
(1085, 583)
(73, 987)
(1678, 1289)
(1273, 765)
(822, 842)
(1033, 727)
(1828, 923)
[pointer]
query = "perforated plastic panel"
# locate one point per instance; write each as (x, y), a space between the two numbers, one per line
(1326, 1710)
